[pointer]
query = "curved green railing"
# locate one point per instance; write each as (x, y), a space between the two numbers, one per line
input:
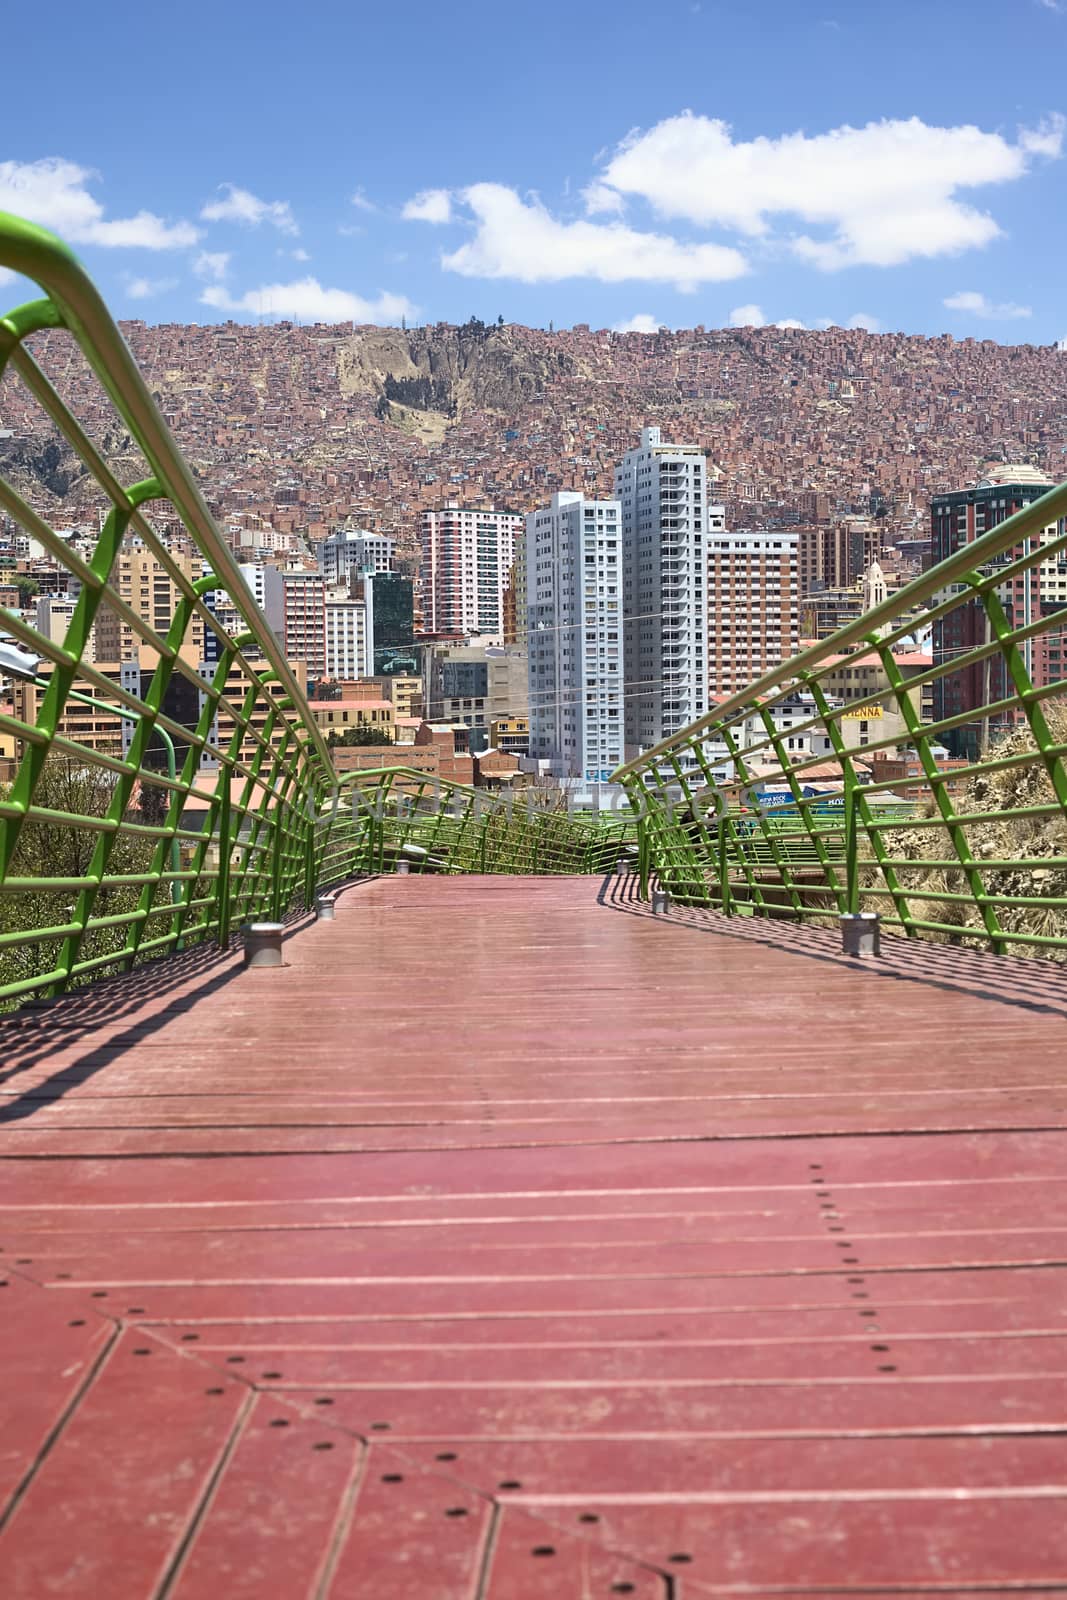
(425, 824)
(107, 853)
(772, 805)
(130, 827)
(147, 808)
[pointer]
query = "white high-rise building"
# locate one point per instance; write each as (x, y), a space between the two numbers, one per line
(349, 637)
(662, 491)
(574, 636)
(351, 550)
(467, 557)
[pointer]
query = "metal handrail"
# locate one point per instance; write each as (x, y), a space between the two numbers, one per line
(249, 820)
(38, 254)
(971, 868)
(1050, 508)
(89, 882)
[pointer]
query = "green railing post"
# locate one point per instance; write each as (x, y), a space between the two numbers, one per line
(643, 857)
(852, 854)
(725, 897)
(225, 854)
(309, 865)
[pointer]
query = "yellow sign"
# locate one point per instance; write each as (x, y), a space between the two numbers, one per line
(865, 713)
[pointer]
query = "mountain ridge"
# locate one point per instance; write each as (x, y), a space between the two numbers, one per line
(378, 422)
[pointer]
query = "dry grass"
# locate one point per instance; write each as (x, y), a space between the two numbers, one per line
(1026, 842)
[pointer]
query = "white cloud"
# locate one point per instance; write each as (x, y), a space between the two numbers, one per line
(54, 193)
(6, 276)
(361, 203)
(145, 231)
(977, 305)
(308, 301)
(599, 199)
(643, 322)
(212, 264)
(886, 192)
(521, 240)
(145, 288)
(1046, 139)
(238, 205)
(864, 320)
(299, 255)
(751, 316)
(429, 205)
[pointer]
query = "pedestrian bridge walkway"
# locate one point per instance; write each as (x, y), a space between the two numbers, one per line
(511, 1243)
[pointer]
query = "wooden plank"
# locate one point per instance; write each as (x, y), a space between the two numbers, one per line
(882, 1404)
(48, 1351)
(533, 1560)
(840, 1543)
(115, 1494)
(413, 1534)
(275, 1512)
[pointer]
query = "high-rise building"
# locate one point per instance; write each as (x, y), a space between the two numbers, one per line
(97, 727)
(53, 618)
(391, 601)
(753, 605)
(473, 684)
(349, 641)
(294, 604)
(349, 550)
(574, 583)
(515, 598)
(662, 494)
(956, 520)
(837, 556)
(304, 637)
(146, 586)
(467, 557)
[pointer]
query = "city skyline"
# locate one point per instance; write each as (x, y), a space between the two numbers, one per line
(850, 176)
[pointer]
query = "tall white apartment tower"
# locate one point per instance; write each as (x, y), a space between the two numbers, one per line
(574, 636)
(662, 491)
(466, 561)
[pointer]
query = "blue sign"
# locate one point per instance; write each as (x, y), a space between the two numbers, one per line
(784, 797)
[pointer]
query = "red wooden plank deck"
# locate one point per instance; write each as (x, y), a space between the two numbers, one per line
(512, 1244)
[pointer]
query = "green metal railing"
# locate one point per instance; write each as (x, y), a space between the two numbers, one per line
(107, 855)
(431, 825)
(980, 856)
(104, 857)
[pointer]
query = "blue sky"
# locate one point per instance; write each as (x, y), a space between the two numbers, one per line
(897, 165)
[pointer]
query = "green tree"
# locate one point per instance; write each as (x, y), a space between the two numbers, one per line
(153, 802)
(49, 849)
(28, 589)
(363, 734)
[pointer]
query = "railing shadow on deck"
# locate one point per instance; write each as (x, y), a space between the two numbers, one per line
(1024, 983)
(30, 1036)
